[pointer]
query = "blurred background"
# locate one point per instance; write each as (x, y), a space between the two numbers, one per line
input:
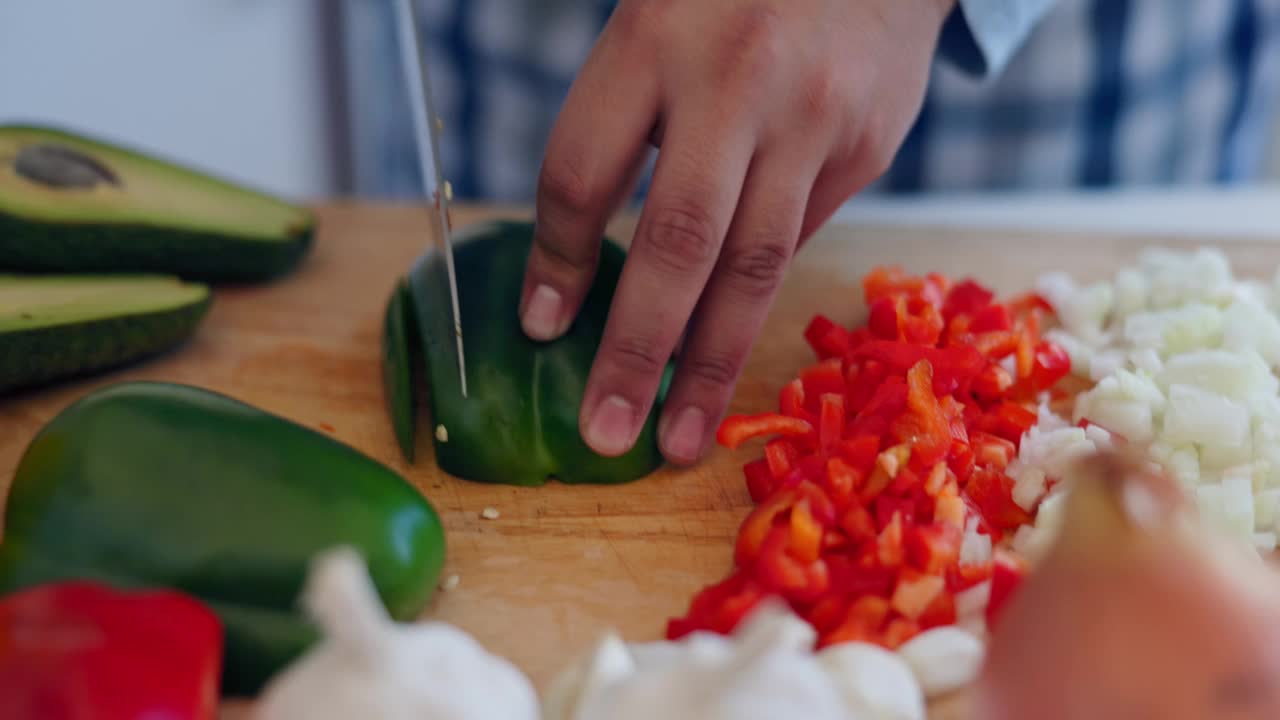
(298, 97)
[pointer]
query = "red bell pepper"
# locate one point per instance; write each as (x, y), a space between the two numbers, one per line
(78, 650)
(1007, 573)
(879, 457)
(966, 297)
(738, 429)
(827, 339)
(992, 318)
(992, 492)
(959, 362)
(1052, 363)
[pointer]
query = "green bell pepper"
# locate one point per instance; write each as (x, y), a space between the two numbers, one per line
(519, 423)
(157, 485)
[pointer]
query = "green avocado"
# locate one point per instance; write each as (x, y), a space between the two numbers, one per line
(74, 204)
(54, 327)
(146, 485)
(518, 424)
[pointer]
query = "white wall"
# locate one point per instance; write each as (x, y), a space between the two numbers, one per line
(232, 86)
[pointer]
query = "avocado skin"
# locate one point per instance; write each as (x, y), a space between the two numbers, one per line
(149, 485)
(42, 355)
(35, 246)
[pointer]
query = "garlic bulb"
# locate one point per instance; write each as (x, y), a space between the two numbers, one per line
(368, 666)
(944, 659)
(877, 684)
(766, 671)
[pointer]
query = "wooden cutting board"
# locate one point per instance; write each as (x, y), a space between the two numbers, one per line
(561, 564)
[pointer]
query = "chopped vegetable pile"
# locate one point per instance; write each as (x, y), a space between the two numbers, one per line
(884, 489)
(1183, 356)
(912, 475)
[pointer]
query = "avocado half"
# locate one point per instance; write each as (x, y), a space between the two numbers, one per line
(54, 327)
(75, 204)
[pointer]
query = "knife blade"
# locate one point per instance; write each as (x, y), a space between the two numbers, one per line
(426, 123)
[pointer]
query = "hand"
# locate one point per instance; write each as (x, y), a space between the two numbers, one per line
(769, 115)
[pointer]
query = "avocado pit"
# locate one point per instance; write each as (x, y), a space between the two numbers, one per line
(61, 167)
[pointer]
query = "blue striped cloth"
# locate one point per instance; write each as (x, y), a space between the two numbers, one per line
(1025, 94)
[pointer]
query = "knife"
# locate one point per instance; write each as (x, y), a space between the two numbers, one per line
(426, 124)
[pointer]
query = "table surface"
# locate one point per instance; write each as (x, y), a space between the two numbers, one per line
(561, 564)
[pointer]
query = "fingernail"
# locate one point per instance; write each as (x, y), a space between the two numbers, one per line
(683, 438)
(610, 428)
(542, 316)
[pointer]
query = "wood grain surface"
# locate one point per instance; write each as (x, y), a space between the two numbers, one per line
(561, 565)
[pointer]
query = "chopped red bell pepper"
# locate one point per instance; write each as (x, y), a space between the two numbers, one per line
(889, 544)
(805, 542)
(861, 451)
(992, 451)
(827, 339)
(959, 362)
(931, 549)
(791, 402)
(1007, 573)
(760, 481)
(914, 593)
(992, 491)
(780, 571)
(863, 622)
(950, 509)
(738, 429)
(885, 318)
(759, 523)
(81, 649)
(1052, 363)
(966, 297)
(781, 456)
(842, 482)
(821, 379)
(993, 318)
(1009, 421)
(963, 577)
(830, 422)
(898, 632)
(857, 523)
(942, 611)
(880, 455)
(719, 608)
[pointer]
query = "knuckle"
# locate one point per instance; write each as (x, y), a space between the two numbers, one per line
(563, 183)
(754, 40)
(714, 368)
(636, 355)
(680, 239)
(879, 143)
(640, 21)
(820, 92)
(757, 271)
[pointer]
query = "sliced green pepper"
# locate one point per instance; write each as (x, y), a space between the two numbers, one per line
(158, 485)
(519, 423)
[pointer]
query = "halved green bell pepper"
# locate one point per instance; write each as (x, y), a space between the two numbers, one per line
(519, 423)
(158, 485)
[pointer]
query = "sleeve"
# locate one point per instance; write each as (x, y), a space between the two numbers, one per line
(981, 36)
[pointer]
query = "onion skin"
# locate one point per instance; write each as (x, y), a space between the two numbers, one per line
(1136, 612)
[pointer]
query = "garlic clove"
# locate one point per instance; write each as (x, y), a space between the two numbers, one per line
(765, 671)
(698, 647)
(877, 684)
(608, 662)
(943, 659)
(368, 666)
